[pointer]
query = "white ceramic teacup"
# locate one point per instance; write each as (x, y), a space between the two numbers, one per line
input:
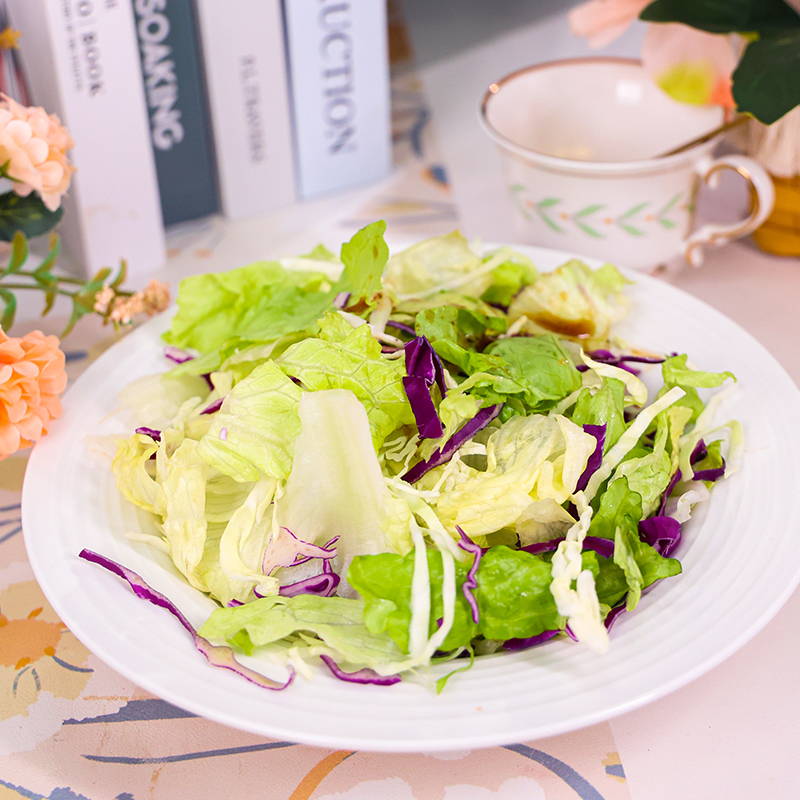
(582, 141)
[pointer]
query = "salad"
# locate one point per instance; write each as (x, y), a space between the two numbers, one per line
(431, 457)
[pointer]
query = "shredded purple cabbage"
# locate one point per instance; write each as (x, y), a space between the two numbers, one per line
(698, 454)
(218, 656)
(418, 392)
(607, 357)
(423, 369)
(662, 533)
(151, 432)
(212, 407)
(176, 354)
(341, 299)
(322, 585)
(614, 614)
(570, 633)
(471, 582)
(710, 474)
(531, 641)
(401, 326)
(596, 458)
(601, 546)
(287, 550)
(328, 547)
(234, 603)
(461, 436)
(674, 481)
(363, 676)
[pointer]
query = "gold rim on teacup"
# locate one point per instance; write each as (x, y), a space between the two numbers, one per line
(530, 156)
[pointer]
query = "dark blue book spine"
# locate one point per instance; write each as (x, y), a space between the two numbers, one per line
(180, 130)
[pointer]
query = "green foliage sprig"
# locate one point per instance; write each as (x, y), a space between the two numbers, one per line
(83, 294)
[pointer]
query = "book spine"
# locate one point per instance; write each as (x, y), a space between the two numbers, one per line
(81, 61)
(243, 52)
(339, 67)
(179, 124)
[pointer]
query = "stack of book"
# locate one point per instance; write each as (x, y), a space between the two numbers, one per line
(185, 108)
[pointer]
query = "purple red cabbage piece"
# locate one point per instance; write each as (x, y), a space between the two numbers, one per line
(423, 369)
(341, 300)
(212, 407)
(471, 582)
(622, 361)
(218, 656)
(176, 354)
(362, 676)
(596, 458)
(662, 533)
(461, 436)
(614, 615)
(401, 326)
(322, 585)
(531, 641)
(698, 454)
(151, 432)
(673, 482)
(601, 546)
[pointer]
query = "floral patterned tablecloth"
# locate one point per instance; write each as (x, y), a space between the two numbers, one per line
(71, 727)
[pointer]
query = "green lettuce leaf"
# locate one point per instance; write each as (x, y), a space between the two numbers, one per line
(513, 595)
(508, 277)
(336, 621)
(528, 459)
(384, 581)
(434, 264)
(262, 300)
(618, 518)
(606, 407)
(364, 258)
(575, 301)
(253, 433)
(354, 363)
(336, 488)
(676, 373)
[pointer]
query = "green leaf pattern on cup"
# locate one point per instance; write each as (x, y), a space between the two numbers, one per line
(633, 221)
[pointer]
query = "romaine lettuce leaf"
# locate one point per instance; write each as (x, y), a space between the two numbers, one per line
(618, 519)
(384, 581)
(364, 258)
(263, 300)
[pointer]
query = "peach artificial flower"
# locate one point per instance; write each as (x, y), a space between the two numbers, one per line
(33, 146)
(691, 66)
(602, 21)
(31, 378)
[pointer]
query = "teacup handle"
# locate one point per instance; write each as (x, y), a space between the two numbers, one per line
(762, 197)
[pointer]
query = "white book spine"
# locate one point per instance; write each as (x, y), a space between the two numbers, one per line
(339, 66)
(244, 56)
(81, 61)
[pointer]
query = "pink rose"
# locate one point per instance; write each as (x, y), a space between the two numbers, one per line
(33, 148)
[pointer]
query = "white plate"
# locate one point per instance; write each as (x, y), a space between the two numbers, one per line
(740, 558)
